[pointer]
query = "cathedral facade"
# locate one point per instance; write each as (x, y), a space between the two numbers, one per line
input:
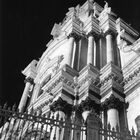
(92, 63)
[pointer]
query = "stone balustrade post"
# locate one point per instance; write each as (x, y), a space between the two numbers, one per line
(23, 101)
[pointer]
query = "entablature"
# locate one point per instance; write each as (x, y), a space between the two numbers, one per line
(130, 34)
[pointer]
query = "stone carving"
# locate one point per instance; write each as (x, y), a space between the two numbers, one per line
(30, 80)
(57, 81)
(61, 105)
(123, 44)
(88, 105)
(131, 77)
(56, 68)
(111, 76)
(74, 35)
(49, 67)
(95, 82)
(56, 31)
(106, 11)
(112, 102)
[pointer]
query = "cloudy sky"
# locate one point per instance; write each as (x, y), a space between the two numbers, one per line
(25, 27)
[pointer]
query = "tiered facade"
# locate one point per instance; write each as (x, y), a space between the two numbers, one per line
(92, 64)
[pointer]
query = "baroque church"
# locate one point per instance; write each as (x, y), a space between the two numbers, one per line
(92, 62)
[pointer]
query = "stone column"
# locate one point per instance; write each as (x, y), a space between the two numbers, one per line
(113, 117)
(71, 38)
(90, 110)
(60, 108)
(112, 105)
(22, 104)
(137, 121)
(90, 52)
(109, 47)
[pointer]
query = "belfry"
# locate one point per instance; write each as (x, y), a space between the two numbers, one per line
(91, 68)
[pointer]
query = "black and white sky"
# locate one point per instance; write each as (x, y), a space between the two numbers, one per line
(25, 27)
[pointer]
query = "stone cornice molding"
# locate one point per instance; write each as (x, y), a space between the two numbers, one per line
(93, 82)
(61, 105)
(131, 76)
(113, 77)
(113, 103)
(122, 25)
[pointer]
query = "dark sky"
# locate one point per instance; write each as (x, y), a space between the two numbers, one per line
(25, 27)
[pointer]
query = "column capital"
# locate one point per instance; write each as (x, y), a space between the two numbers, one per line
(88, 105)
(112, 103)
(92, 33)
(110, 32)
(74, 35)
(61, 105)
(29, 80)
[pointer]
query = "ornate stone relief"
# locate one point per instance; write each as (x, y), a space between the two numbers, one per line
(57, 81)
(50, 66)
(131, 76)
(87, 105)
(113, 102)
(61, 105)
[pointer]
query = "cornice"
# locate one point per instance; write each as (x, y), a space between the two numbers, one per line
(122, 25)
(108, 25)
(69, 70)
(89, 68)
(109, 68)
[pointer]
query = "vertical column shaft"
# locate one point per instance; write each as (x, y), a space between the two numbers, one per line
(70, 50)
(24, 97)
(90, 52)
(113, 117)
(109, 47)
